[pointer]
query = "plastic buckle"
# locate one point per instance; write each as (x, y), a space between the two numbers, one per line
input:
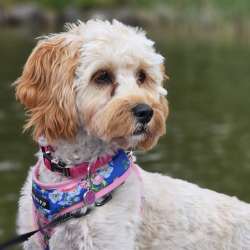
(129, 154)
(56, 166)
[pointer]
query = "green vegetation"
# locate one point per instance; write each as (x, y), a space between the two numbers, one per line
(222, 19)
(231, 8)
(59, 5)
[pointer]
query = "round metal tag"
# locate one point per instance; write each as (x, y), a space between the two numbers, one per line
(89, 197)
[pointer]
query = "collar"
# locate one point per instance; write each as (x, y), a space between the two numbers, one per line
(77, 170)
(60, 195)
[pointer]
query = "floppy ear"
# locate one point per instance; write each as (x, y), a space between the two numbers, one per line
(163, 73)
(45, 87)
(163, 100)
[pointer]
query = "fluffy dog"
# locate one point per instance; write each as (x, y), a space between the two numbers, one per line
(96, 88)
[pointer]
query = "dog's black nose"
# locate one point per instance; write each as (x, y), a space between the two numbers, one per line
(143, 112)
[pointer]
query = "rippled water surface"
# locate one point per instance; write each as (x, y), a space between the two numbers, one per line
(208, 136)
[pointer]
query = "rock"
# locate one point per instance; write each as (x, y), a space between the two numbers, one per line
(71, 15)
(25, 14)
(51, 18)
(127, 16)
(164, 14)
(124, 15)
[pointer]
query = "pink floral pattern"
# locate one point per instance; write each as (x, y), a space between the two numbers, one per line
(85, 184)
(98, 179)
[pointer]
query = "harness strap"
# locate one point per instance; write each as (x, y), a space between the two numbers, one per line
(22, 238)
(100, 193)
(119, 165)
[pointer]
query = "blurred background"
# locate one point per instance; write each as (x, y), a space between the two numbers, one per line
(206, 44)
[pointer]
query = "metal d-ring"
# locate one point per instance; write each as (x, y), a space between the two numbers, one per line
(88, 176)
(89, 195)
(89, 165)
(104, 201)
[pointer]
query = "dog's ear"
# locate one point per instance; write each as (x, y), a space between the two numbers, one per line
(164, 75)
(163, 100)
(45, 87)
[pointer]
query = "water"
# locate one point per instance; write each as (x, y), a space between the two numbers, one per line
(208, 137)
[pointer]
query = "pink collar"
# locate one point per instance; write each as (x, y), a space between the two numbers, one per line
(71, 172)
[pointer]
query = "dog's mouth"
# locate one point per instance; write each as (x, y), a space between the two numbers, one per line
(131, 141)
(140, 131)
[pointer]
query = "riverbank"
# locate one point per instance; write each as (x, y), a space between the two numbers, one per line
(206, 21)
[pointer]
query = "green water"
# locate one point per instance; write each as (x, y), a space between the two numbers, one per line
(208, 137)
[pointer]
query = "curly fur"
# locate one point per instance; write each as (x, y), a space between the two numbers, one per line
(84, 119)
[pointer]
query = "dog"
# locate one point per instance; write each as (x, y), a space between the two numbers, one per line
(93, 91)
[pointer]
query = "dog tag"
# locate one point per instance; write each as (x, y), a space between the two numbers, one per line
(89, 197)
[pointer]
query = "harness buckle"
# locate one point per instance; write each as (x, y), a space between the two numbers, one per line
(129, 154)
(56, 166)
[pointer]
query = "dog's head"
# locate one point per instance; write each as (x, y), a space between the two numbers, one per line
(103, 77)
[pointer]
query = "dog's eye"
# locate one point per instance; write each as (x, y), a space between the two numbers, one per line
(141, 77)
(102, 77)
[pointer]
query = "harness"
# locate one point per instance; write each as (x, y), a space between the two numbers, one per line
(93, 181)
